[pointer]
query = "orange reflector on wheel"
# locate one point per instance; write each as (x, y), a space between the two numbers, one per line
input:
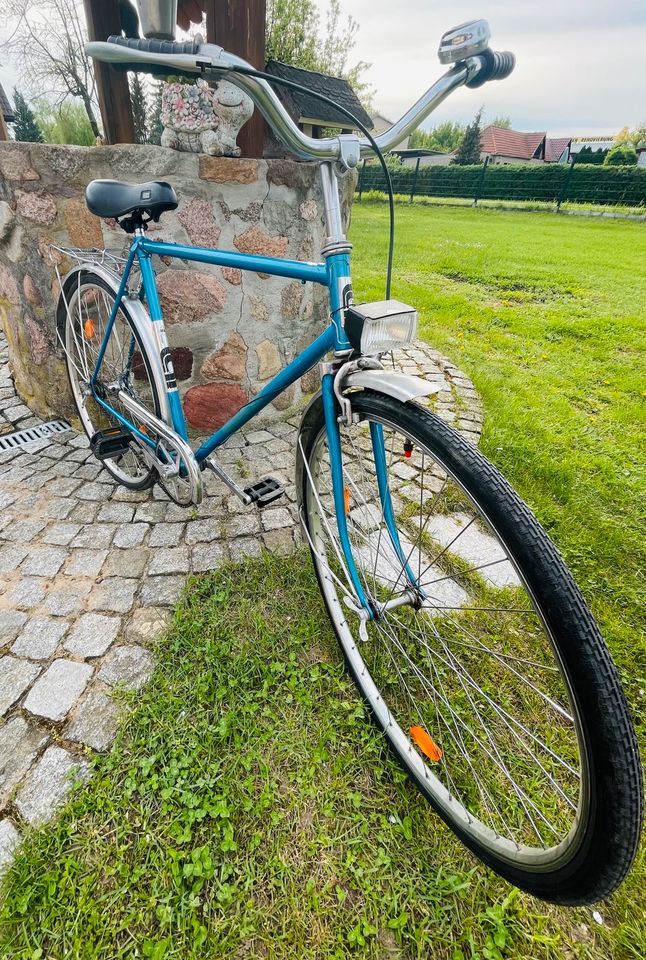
(346, 500)
(425, 742)
(88, 329)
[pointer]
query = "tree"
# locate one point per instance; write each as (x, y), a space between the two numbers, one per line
(47, 42)
(469, 150)
(67, 123)
(291, 32)
(25, 127)
(621, 155)
(504, 122)
(139, 108)
(638, 135)
(632, 138)
(293, 36)
(445, 137)
(588, 155)
(156, 127)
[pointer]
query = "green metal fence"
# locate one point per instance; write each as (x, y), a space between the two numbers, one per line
(552, 183)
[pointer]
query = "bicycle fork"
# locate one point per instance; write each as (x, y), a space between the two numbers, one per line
(366, 609)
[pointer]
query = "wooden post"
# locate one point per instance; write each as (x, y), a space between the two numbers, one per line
(4, 133)
(112, 85)
(239, 27)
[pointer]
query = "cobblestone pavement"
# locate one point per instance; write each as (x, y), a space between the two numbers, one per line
(89, 572)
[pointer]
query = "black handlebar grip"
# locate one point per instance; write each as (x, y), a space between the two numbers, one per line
(493, 66)
(157, 46)
(504, 63)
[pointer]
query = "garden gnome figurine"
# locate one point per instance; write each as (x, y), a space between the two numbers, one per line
(188, 118)
(233, 107)
(197, 119)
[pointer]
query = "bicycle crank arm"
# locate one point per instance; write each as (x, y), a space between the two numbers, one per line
(173, 443)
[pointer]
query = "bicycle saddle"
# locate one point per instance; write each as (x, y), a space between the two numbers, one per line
(114, 198)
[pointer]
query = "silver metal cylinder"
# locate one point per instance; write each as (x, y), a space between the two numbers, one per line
(158, 18)
(332, 204)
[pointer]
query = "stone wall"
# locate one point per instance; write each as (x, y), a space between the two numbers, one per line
(229, 331)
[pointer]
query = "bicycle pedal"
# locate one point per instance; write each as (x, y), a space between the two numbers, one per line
(107, 444)
(264, 492)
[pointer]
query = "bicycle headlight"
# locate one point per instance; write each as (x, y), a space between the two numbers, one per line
(377, 327)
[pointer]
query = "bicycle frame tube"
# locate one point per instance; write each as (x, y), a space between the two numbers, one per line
(381, 469)
(113, 314)
(338, 493)
(300, 365)
(334, 273)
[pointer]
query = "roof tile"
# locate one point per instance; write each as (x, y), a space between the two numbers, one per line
(500, 141)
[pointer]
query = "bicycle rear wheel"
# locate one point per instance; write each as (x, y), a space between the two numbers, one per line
(84, 308)
(482, 665)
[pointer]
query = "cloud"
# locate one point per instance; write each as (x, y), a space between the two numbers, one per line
(578, 63)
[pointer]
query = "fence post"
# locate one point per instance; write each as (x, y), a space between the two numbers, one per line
(360, 184)
(566, 180)
(480, 183)
(414, 184)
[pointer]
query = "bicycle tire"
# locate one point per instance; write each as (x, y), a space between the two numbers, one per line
(605, 844)
(87, 280)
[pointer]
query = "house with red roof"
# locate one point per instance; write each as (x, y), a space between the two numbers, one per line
(502, 145)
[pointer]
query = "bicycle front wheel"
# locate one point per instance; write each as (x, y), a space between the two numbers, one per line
(84, 309)
(482, 664)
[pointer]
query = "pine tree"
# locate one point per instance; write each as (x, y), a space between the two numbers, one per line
(25, 126)
(139, 109)
(156, 128)
(469, 150)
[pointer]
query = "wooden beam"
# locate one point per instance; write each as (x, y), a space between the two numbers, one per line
(4, 133)
(112, 86)
(239, 27)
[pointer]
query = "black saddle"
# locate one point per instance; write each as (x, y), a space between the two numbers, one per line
(114, 198)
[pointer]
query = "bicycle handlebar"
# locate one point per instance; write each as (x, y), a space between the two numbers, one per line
(213, 62)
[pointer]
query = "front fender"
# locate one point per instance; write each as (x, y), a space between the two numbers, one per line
(401, 386)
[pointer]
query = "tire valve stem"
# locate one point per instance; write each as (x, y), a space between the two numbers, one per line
(408, 448)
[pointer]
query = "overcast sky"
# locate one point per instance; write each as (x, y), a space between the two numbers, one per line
(581, 64)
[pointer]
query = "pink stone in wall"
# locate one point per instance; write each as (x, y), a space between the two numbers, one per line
(258, 242)
(31, 291)
(83, 228)
(228, 363)
(258, 309)
(309, 210)
(198, 221)
(39, 207)
(188, 295)
(38, 346)
(211, 405)
(8, 286)
(232, 275)
(269, 362)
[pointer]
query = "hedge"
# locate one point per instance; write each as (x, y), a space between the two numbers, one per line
(554, 181)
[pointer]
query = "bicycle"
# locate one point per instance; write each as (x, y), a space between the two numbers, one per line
(458, 619)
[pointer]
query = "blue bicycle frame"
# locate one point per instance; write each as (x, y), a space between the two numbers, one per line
(334, 274)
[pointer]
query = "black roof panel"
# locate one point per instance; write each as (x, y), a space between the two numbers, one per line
(5, 106)
(301, 105)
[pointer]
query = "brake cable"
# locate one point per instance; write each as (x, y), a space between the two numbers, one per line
(261, 75)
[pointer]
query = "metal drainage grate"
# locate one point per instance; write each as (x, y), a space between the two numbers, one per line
(22, 437)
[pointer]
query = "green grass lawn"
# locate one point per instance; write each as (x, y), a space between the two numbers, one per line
(248, 808)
